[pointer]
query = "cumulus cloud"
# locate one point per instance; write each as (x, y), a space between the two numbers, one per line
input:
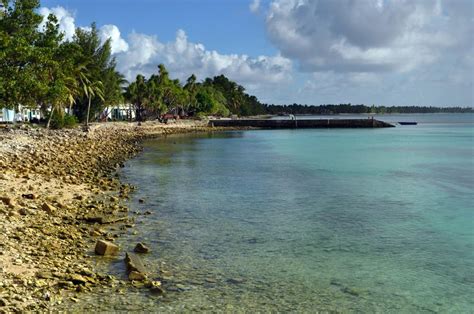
(141, 54)
(112, 32)
(369, 36)
(65, 20)
(183, 57)
(254, 6)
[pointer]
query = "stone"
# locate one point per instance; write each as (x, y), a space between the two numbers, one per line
(23, 211)
(155, 287)
(78, 279)
(7, 200)
(103, 247)
(141, 248)
(29, 196)
(135, 275)
(48, 208)
(134, 263)
(141, 200)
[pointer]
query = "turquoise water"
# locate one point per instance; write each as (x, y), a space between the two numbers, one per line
(363, 220)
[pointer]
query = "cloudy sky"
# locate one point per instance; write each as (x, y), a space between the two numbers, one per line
(383, 52)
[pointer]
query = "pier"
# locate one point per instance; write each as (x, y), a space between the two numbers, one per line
(301, 124)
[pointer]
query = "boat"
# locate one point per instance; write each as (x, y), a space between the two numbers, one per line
(408, 123)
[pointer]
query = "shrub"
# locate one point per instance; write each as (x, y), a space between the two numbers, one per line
(70, 121)
(59, 121)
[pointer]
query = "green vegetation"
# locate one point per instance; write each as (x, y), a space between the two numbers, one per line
(39, 68)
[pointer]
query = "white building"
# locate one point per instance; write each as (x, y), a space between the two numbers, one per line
(22, 115)
(122, 112)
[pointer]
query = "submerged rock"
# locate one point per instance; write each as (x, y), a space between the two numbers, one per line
(135, 275)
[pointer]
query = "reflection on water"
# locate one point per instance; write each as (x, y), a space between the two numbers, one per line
(343, 220)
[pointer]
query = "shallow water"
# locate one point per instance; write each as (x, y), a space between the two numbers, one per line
(369, 220)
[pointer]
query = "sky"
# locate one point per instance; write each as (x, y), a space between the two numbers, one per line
(382, 52)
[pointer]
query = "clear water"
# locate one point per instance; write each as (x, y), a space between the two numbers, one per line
(363, 220)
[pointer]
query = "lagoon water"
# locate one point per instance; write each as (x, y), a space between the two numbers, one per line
(347, 220)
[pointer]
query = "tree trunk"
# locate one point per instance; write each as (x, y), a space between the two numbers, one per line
(50, 117)
(88, 111)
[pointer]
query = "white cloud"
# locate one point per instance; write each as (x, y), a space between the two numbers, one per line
(254, 6)
(141, 54)
(182, 58)
(118, 44)
(65, 20)
(369, 36)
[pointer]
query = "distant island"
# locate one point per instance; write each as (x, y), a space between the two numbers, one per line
(358, 109)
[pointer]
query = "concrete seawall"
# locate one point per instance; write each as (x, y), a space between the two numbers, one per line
(303, 124)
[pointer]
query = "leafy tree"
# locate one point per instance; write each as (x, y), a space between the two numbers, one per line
(20, 59)
(137, 94)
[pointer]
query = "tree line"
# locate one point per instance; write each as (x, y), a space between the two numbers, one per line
(358, 109)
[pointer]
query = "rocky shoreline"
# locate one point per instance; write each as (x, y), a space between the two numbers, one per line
(59, 195)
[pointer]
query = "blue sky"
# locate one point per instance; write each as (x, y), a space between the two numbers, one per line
(225, 25)
(387, 52)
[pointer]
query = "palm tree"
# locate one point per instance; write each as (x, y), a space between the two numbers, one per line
(90, 90)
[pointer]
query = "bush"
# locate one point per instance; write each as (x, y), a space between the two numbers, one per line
(70, 121)
(59, 121)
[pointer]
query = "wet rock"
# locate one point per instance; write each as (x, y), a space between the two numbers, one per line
(134, 263)
(141, 248)
(155, 287)
(135, 275)
(103, 247)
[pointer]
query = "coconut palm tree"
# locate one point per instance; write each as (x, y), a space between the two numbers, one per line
(90, 90)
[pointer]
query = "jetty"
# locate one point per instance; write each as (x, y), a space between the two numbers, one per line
(300, 124)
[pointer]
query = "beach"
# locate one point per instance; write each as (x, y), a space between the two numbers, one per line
(59, 196)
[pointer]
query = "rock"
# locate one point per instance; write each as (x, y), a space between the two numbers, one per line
(155, 287)
(48, 208)
(23, 211)
(78, 279)
(134, 275)
(44, 275)
(141, 200)
(350, 291)
(7, 200)
(235, 281)
(182, 287)
(141, 248)
(106, 248)
(29, 196)
(134, 263)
